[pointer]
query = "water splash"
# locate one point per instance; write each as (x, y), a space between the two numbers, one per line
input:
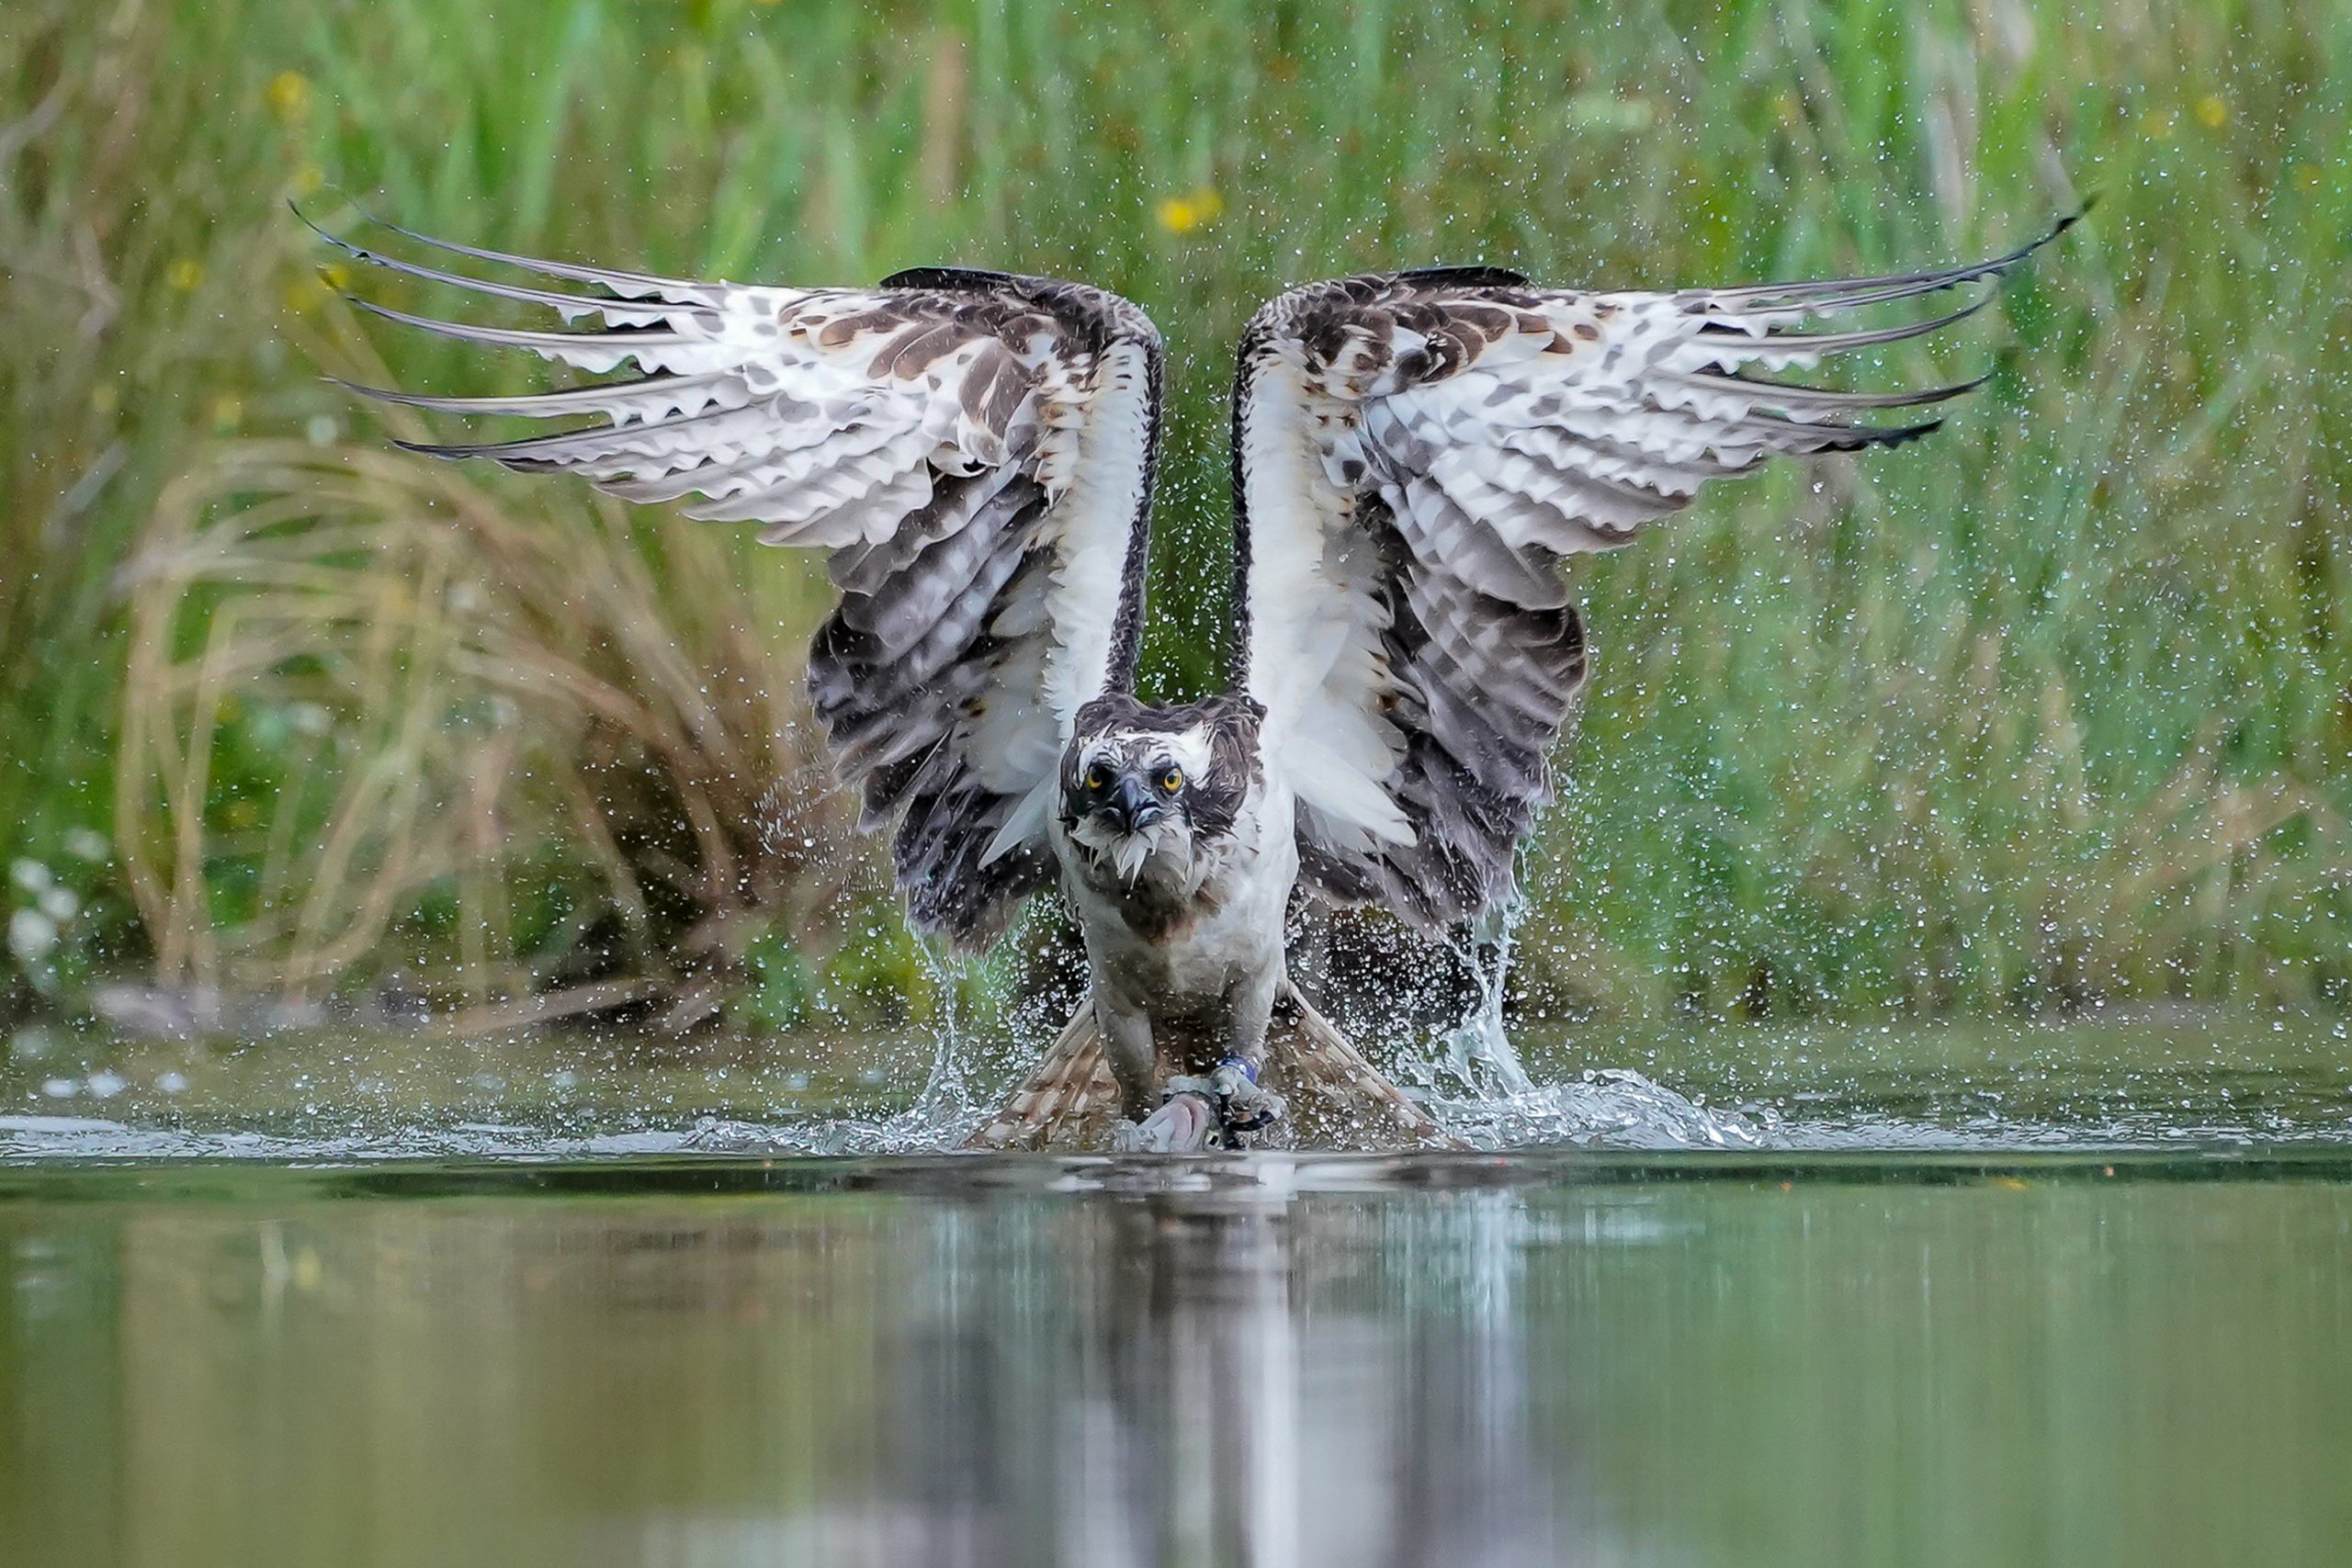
(1617, 1109)
(1475, 1057)
(946, 1110)
(1472, 1080)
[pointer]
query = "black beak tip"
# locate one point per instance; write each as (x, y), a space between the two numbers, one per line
(1132, 807)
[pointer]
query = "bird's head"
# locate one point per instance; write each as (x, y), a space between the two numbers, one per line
(1139, 782)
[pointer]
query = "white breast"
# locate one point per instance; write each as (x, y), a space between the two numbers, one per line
(1233, 897)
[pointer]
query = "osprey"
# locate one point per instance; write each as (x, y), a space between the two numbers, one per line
(1413, 454)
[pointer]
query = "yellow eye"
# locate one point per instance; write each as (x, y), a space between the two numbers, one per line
(1171, 781)
(1098, 777)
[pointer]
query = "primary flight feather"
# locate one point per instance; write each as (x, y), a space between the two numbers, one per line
(1413, 453)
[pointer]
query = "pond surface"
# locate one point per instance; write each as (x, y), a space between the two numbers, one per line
(2152, 1080)
(2071, 1358)
(1999, 1295)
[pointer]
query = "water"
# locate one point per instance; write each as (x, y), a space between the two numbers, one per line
(2013, 1294)
(2168, 1082)
(1679, 1359)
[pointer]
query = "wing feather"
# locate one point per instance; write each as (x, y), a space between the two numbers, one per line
(975, 448)
(1415, 452)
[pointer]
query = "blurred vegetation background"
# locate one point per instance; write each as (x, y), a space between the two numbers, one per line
(2052, 710)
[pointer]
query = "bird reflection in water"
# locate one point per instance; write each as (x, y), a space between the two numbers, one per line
(1226, 1375)
(934, 1363)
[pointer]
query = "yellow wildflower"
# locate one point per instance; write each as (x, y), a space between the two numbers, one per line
(2213, 111)
(1183, 214)
(184, 274)
(289, 97)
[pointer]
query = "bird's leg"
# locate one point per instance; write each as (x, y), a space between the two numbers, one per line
(1181, 1122)
(1127, 1039)
(1243, 1104)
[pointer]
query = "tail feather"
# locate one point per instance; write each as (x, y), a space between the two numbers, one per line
(1338, 1099)
(1069, 1100)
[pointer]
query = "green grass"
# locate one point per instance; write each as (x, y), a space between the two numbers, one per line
(2055, 707)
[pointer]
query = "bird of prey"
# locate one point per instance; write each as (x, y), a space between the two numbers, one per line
(1413, 455)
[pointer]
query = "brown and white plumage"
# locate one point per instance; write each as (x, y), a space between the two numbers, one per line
(1338, 1100)
(1413, 454)
(976, 449)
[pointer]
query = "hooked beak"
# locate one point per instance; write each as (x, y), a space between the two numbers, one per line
(1132, 808)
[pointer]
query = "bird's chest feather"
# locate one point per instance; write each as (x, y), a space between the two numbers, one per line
(1187, 926)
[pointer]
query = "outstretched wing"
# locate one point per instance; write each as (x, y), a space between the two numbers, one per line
(976, 449)
(1412, 453)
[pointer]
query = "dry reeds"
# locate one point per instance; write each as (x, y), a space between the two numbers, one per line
(359, 685)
